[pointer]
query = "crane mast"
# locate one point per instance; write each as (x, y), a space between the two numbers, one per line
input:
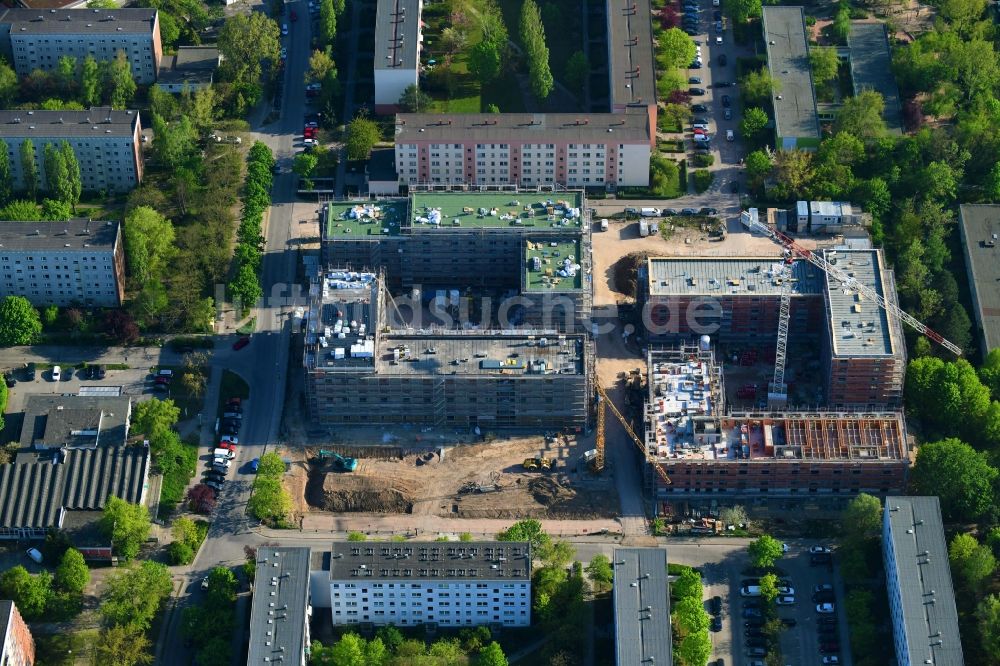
(752, 223)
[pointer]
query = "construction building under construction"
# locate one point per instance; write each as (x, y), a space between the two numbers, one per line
(738, 300)
(484, 246)
(704, 450)
(360, 371)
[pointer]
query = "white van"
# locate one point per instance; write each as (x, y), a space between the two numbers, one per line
(750, 591)
(35, 555)
(604, 224)
(650, 212)
(224, 454)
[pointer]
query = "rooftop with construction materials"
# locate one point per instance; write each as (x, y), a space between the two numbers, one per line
(630, 52)
(481, 353)
(532, 128)
(397, 34)
(642, 607)
(718, 276)
(341, 321)
(921, 593)
(553, 266)
(859, 326)
(496, 210)
(280, 610)
(798, 436)
(795, 115)
(684, 402)
(354, 219)
(871, 68)
(483, 560)
(980, 226)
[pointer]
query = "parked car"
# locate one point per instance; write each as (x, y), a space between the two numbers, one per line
(721, 60)
(824, 587)
(56, 373)
(753, 632)
(827, 620)
(826, 596)
(214, 485)
(30, 372)
(785, 600)
(700, 126)
(722, 84)
(751, 602)
(820, 558)
(831, 659)
(35, 555)
(752, 612)
(696, 91)
(162, 380)
(716, 15)
(728, 114)
(754, 622)
(715, 603)
(825, 608)
(829, 648)
(9, 380)
(204, 583)
(755, 642)
(718, 26)
(699, 108)
(819, 549)
(254, 464)
(708, 211)
(689, 211)
(789, 621)
(730, 136)
(716, 623)
(229, 439)
(669, 212)
(241, 343)
(726, 102)
(830, 629)
(701, 138)
(694, 80)
(284, 28)
(690, 30)
(757, 652)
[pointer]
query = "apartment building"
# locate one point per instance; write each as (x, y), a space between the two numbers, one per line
(37, 38)
(796, 120)
(526, 149)
(979, 225)
(397, 50)
(631, 64)
(709, 451)
(78, 262)
(281, 607)
(107, 144)
(737, 300)
(17, 647)
(456, 584)
(642, 607)
(918, 581)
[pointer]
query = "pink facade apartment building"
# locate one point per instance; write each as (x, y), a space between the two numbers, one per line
(525, 149)
(17, 647)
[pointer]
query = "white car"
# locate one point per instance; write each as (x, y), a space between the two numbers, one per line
(314, 86)
(232, 439)
(284, 52)
(704, 138)
(718, 39)
(785, 600)
(204, 583)
(310, 142)
(701, 126)
(284, 28)
(785, 547)
(730, 136)
(819, 549)
(786, 589)
(832, 659)
(826, 609)
(56, 373)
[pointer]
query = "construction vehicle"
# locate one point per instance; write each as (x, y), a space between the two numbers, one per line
(340, 463)
(751, 221)
(597, 462)
(537, 464)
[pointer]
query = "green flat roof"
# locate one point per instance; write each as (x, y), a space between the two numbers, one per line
(551, 256)
(389, 216)
(502, 209)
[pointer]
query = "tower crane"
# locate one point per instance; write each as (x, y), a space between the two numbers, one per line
(602, 400)
(750, 220)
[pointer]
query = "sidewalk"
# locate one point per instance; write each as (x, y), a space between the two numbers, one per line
(433, 526)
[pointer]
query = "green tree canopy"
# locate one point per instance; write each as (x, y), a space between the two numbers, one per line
(132, 595)
(600, 572)
(246, 39)
(119, 84)
(971, 561)
(123, 645)
(30, 593)
(29, 168)
(362, 135)
(769, 588)
(414, 100)
(861, 116)
(19, 322)
(149, 243)
(741, 11)
(754, 122)
(529, 530)
(764, 551)
(687, 584)
(72, 574)
(152, 416)
(676, 48)
(758, 86)
(824, 63)
(862, 517)
(492, 655)
(988, 621)
(126, 524)
(960, 476)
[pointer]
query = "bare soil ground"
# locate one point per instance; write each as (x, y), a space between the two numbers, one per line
(398, 479)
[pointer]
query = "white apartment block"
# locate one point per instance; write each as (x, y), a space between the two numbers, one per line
(397, 50)
(529, 150)
(107, 144)
(36, 38)
(454, 584)
(76, 262)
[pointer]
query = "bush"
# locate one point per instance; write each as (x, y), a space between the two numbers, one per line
(180, 553)
(704, 159)
(702, 180)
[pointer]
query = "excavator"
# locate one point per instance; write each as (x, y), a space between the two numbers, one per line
(597, 463)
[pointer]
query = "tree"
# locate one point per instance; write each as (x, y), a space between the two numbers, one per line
(769, 587)
(529, 530)
(841, 26)
(764, 551)
(794, 171)
(988, 619)
(90, 82)
(201, 498)
(754, 122)
(861, 115)
(149, 243)
(321, 64)
(244, 40)
(689, 616)
(676, 48)
(862, 517)
(270, 501)
(990, 373)
(152, 416)
(824, 63)
(600, 572)
(453, 40)
(971, 561)
(492, 655)
(960, 476)
(56, 176)
(72, 574)
(486, 58)
(245, 288)
(30, 593)
(349, 651)
(362, 135)
(6, 177)
(533, 39)
(122, 645)
(132, 595)
(120, 326)
(734, 515)
(8, 84)
(577, 71)
(413, 100)
(694, 649)
(327, 21)
(741, 11)
(758, 167)
(19, 322)
(126, 524)
(29, 169)
(304, 165)
(119, 85)
(758, 86)
(74, 185)
(687, 584)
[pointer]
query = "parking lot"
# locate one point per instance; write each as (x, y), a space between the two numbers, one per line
(800, 643)
(135, 382)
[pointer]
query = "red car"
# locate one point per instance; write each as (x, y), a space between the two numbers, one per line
(241, 343)
(162, 380)
(294, 16)
(309, 133)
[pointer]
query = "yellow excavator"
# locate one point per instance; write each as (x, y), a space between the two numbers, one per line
(597, 464)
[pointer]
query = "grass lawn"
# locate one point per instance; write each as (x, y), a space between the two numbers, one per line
(64, 648)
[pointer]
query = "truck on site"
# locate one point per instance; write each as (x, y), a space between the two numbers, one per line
(643, 228)
(537, 464)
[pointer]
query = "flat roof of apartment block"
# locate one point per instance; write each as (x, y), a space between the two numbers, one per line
(496, 210)
(475, 353)
(470, 560)
(728, 276)
(360, 219)
(859, 326)
(534, 128)
(552, 265)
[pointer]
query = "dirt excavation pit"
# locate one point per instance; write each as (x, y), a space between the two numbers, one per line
(484, 480)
